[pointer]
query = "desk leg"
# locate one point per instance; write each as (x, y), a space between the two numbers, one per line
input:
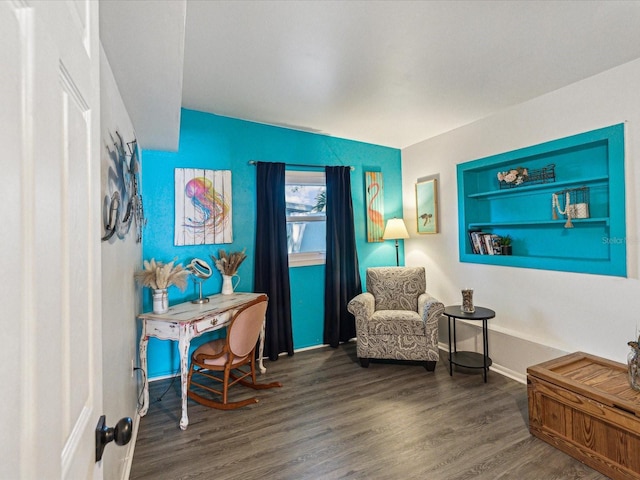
(261, 350)
(142, 349)
(183, 346)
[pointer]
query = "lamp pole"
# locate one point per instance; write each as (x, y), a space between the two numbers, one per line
(397, 254)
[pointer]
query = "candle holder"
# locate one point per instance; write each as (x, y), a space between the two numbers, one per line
(467, 301)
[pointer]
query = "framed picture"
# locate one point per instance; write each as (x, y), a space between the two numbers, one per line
(202, 206)
(427, 206)
(375, 206)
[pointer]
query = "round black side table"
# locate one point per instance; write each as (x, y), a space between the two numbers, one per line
(469, 359)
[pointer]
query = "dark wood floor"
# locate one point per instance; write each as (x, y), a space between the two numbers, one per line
(333, 419)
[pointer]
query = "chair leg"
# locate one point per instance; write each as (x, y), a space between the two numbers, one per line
(430, 366)
(254, 384)
(219, 405)
(364, 362)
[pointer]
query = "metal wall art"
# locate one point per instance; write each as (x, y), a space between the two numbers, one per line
(122, 205)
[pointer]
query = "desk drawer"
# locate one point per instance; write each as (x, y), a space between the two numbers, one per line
(213, 322)
(163, 330)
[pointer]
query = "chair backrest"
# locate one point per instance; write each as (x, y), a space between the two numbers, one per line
(396, 288)
(245, 327)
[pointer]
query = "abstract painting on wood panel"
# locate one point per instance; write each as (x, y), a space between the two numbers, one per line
(375, 206)
(202, 206)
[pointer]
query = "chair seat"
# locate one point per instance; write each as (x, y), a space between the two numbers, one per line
(396, 322)
(215, 347)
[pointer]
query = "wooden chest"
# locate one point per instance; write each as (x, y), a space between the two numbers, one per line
(584, 406)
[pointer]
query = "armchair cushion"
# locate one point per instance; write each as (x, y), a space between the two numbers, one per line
(396, 288)
(396, 322)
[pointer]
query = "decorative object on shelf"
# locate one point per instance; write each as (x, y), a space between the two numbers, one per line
(633, 363)
(202, 206)
(521, 176)
(201, 270)
(467, 301)
(159, 276)
(227, 265)
(505, 245)
(427, 206)
(375, 206)
(514, 177)
(576, 204)
(395, 230)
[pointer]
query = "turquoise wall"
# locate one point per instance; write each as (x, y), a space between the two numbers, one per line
(222, 143)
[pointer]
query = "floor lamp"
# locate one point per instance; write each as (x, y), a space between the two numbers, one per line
(395, 230)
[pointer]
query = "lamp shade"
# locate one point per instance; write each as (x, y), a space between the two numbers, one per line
(395, 229)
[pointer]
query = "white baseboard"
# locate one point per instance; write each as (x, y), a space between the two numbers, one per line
(511, 353)
(502, 370)
(131, 446)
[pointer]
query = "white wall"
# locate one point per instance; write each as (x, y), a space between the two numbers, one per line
(539, 314)
(120, 298)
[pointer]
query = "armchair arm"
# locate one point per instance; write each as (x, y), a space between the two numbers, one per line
(362, 307)
(430, 310)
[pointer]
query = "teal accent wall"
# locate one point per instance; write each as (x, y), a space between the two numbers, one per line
(221, 143)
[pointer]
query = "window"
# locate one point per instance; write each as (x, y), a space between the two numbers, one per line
(305, 196)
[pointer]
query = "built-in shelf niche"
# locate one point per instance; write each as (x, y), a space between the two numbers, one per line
(596, 245)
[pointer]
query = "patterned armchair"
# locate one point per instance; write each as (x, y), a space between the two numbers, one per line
(396, 318)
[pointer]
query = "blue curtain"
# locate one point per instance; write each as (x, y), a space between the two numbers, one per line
(342, 273)
(271, 273)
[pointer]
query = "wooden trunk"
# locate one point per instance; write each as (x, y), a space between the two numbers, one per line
(584, 406)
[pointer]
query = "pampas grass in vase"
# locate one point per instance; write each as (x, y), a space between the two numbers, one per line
(159, 276)
(228, 264)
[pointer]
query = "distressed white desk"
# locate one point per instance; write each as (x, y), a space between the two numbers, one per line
(183, 322)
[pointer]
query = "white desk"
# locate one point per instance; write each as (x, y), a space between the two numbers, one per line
(183, 322)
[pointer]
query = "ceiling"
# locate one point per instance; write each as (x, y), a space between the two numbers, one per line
(391, 73)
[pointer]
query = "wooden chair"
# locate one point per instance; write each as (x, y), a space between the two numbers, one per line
(228, 355)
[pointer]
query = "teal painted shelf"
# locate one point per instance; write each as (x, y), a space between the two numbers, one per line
(527, 190)
(594, 245)
(532, 223)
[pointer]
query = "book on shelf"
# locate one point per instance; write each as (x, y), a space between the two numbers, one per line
(483, 243)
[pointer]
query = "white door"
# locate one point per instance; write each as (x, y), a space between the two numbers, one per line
(51, 393)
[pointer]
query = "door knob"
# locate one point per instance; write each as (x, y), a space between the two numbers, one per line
(121, 433)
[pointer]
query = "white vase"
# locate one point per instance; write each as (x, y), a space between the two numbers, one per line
(227, 284)
(160, 301)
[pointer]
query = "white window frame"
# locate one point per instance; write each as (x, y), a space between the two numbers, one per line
(307, 177)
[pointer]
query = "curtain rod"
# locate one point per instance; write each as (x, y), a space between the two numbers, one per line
(254, 162)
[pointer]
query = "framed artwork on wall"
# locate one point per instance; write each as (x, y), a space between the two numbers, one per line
(427, 206)
(375, 206)
(202, 206)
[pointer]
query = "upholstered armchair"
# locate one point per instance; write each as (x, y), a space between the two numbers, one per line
(395, 318)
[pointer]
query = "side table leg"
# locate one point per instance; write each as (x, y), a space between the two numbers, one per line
(485, 348)
(183, 347)
(142, 351)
